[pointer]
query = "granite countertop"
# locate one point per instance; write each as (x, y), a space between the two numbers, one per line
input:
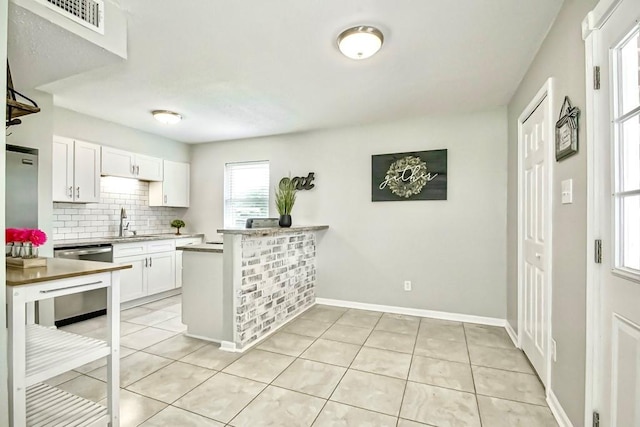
(272, 230)
(59, 268)
(204, 247)
(57, 244)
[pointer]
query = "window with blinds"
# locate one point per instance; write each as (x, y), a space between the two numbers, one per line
(246, 192)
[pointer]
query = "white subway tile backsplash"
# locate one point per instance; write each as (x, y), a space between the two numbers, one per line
(77, 221)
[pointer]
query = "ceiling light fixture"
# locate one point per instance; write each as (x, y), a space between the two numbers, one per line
(167, 117)
(360, 42)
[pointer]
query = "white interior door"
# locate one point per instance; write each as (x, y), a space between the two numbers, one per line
(534, 327)
(617, 178)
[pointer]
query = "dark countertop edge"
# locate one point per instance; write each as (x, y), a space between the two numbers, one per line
(200, 248)
(41, 274)
(108, 240)
(272, 230)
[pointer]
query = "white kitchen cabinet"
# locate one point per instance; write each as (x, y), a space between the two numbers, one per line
(126, 164)
(161, 272)
(174, 188)
(153, 267)
(132, 280)
(75, 171)
(148, 168)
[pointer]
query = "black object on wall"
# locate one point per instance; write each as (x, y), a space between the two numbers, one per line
(418, 175)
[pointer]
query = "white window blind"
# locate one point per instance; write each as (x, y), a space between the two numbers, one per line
(246, 192)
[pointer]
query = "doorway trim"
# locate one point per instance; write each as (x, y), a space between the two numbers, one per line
(545, 92)
(593, 22)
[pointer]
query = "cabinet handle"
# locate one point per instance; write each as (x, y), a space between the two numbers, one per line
(165, 198)
(71, 192)
(77, 192)
(150, 262)
(133, 169)
(146, 262)
(137, 170)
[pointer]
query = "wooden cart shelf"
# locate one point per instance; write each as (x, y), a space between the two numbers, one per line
(51, 352)
(50, 406)
(18, 109)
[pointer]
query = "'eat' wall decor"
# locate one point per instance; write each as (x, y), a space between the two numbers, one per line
(420, 175)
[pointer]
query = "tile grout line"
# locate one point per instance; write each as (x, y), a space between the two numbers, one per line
(473, 379)
(406, 384)
(276, 377)
(346, 370)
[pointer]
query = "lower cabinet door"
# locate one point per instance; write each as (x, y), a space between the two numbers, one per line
(161, 273)
(132, 280)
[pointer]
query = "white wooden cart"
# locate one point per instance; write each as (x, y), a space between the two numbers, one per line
(37, 353)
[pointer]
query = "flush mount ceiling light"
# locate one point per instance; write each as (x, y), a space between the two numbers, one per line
(167, 117)
(360, 42)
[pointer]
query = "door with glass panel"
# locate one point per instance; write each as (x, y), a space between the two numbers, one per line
(617, 154)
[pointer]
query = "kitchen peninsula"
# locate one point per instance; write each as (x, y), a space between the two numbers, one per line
(261, 279)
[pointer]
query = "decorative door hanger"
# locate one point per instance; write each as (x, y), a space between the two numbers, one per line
(420, 175)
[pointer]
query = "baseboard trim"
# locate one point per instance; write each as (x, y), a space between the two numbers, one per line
(557, 410)
(467, 318)
(512, 334)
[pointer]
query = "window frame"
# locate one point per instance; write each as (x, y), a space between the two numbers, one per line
(231, 220)
(619, 195)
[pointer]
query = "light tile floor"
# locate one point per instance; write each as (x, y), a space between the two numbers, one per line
(329, 367)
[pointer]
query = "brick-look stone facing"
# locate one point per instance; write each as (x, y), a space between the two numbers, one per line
(278, 281)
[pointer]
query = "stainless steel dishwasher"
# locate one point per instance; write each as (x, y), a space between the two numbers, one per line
(77, 307)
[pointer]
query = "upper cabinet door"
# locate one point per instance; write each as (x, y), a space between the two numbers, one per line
(174, 188)
(176, 184)
(117, 163)
(62, 170)
(86, 172)
(148, 168)
(130, 165)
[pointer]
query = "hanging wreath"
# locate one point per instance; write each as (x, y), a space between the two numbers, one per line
(407, 177)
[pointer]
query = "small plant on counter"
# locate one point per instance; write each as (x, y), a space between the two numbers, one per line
(178, 223)
(285, 199)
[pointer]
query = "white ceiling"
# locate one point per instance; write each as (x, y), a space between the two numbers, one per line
(238, 69)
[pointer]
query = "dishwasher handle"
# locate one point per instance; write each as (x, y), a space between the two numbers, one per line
(91, 251)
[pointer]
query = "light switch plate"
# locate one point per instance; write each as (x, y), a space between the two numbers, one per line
(567, 191)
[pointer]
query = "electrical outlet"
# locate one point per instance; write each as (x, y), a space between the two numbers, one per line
(407, 285)
(554, 350)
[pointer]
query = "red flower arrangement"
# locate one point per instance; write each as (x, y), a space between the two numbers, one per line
(34, 236)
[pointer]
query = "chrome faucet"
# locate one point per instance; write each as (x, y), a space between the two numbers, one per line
(123, 215)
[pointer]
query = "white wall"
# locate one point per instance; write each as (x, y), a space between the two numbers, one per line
(453, 251)
(36, 132)
(4, 397)
(75, 125)
(562, 57)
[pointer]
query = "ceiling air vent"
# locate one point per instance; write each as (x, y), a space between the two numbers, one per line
(89, 13)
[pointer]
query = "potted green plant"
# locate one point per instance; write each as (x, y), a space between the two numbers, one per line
(285, 199)
(178, 223)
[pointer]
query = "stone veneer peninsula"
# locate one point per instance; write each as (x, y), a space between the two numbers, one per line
(268, 278)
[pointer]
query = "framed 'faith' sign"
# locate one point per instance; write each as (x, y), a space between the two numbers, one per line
(419, 175)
